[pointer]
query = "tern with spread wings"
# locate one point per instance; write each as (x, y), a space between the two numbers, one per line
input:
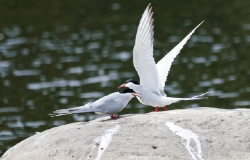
(153, 76)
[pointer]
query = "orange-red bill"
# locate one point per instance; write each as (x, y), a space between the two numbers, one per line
(122, 86)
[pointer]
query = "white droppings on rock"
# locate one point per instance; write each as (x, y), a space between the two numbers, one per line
(106, 139)
(102, 141)
(187, 135)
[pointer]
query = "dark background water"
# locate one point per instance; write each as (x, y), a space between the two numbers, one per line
(62, 54)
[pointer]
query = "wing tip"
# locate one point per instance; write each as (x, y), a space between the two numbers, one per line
(145, 32)
(149, 5)
(200, 24)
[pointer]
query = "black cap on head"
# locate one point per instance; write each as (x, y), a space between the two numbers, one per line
(127, 90)
(132, 81)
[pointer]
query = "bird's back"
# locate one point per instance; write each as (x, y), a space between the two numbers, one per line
(112, 103)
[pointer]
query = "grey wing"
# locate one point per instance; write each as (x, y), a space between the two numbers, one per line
(110, 106)
(112, 103)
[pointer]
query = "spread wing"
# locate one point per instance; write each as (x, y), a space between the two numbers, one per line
(143, 53)
(164, 65)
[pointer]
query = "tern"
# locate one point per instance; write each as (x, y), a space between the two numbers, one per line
(153, 76)
(110, 104)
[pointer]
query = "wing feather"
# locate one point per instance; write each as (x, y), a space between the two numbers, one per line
(111, 103)
(143, 59)
(164, 65)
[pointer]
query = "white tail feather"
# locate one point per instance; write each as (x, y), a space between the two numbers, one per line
(195, 97)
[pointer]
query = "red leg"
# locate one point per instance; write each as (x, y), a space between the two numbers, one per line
(112, 116)
(165, 108)
(156, 109)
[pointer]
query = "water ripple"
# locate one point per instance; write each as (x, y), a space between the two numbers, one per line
(229, 95)
(218, 81)
(70, 59)
(57, 83)
(242, 103)
(205, 84)
(6, 135)
(75, 70)
(4, 64)
(123, 56)
(16, 41)
(28, 72)
(9, 109)
(216, 48)
(199, 59)
(99, 79)
(91, 95)
(66, 93)
(35, 124)
(93, 45)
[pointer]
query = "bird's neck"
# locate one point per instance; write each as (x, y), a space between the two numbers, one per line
(136, 87)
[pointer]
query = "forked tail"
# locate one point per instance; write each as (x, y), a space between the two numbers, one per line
(200, 96)
(195, 97)
(191, 98)
(82, 109)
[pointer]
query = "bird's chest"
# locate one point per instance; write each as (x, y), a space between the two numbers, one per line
(151, 99)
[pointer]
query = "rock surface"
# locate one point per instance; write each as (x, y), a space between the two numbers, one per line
(201, 133)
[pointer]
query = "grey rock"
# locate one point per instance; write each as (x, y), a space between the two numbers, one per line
(201, 133)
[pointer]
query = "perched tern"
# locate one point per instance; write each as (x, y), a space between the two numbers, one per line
(153, 76)
(110, 104)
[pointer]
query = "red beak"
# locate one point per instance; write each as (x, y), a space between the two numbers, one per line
(122, 86)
